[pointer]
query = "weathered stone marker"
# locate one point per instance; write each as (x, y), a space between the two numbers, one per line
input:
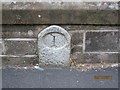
(54, 46)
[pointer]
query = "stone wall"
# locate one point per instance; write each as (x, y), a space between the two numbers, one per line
(93, 26)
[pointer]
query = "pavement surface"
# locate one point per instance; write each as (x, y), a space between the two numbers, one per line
(58, 78)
